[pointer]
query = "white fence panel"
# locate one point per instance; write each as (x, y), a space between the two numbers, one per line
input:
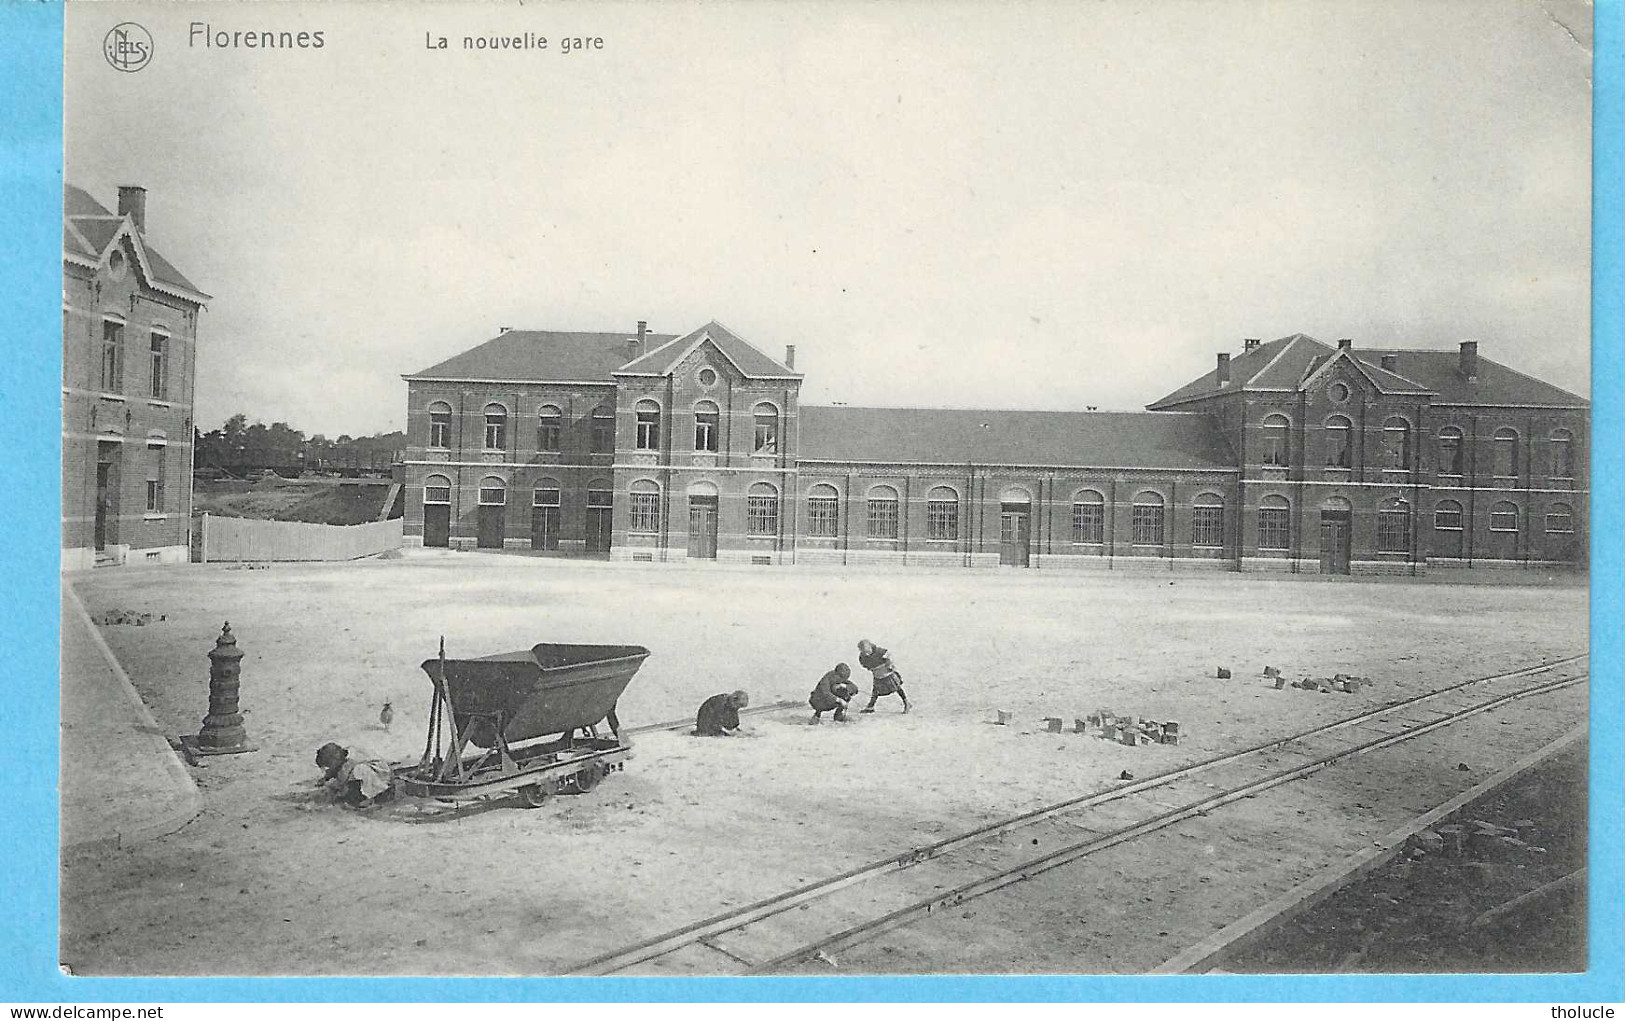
(239, 539)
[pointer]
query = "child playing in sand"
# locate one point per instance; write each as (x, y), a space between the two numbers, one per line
(835, 689)
(719, 715)
(887, 681)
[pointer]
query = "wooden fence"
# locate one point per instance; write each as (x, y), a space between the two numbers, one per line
(225, 540)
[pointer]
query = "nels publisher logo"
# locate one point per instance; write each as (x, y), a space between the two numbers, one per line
(128, 47)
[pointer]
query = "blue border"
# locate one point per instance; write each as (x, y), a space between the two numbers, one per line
(30, 212)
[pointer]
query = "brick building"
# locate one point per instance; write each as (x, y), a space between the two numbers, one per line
(129, 340)
(1291, 456)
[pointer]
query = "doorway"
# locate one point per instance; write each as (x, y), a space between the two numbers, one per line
(107, 487)
(702, 528)
(1015, 535)
(437, 525)
(1336, 535)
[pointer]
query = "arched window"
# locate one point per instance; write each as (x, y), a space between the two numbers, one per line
(1088, 517)
(493, 492)
(496, 427)
(1506, 454)
(1148, 522)
(603, 429)
(648, 417)
(1339, 442)
(767, 429)
(1504, 517)
(1562, 455)
(1447, 516)
(1559, 518)
(882, 512)
(823, 511)
(1396, 443)
(549, 429)
(1451, 461)
(644, 507)
(762, 509)
(436, 489)
(707, 427)
(1274, 523)
(1393, 526)
(942, 513)
(1207, 520)
(1277, 429)
(440, 424)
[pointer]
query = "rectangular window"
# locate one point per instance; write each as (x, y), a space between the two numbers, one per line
(1273, 529)
(155, 478)
(1559, 520)
(436, 494)
(493, 496)
(160, 367)
(1207, 526)
(648, 435)
(822, 517)
(549, 436)
(942, 519)
(1147, 526)
(1088, 523)
(1393, 532)
(882, 519)
(603, 435)
(1449, 455)
(705, 434)
(547, 498)
(600, 499)
(112, 356)
(767, 437)
(762, 515)
(1447, 519)
(645, 511)
(1503, 518)
(439, 428)
(496, 433)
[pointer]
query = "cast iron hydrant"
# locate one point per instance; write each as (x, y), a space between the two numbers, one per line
(223, 727)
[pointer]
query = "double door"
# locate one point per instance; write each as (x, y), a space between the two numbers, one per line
(702, 528)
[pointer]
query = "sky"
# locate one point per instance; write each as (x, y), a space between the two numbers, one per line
(1021, 205)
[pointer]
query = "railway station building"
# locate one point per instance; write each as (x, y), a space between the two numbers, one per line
(1292, 455)
(129, 345)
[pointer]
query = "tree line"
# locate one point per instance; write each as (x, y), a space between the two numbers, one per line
(239, 446)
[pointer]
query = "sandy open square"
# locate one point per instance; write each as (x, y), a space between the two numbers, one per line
(274, 879)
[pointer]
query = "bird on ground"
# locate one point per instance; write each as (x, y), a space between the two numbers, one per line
(386, 716)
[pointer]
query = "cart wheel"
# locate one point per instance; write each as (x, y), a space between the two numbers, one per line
(587, 779)
(533, 796)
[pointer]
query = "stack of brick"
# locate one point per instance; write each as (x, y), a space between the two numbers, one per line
(1133, 731)
(130, 617)
(1345, 683)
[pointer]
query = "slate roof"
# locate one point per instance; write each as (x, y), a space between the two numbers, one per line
(542, 354)
(1057, 438)
(1284, 365)
(85, 218)
(750, 361)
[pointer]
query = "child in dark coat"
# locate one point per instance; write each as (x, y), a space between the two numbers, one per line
(719, 714)
(835, 689)
(887, 681)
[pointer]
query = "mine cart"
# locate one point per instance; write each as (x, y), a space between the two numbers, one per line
(525, 722)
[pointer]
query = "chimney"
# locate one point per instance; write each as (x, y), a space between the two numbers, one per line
(1345, 344)
(1469, 360)
(1390, 361)
(132, 202)
(1224, 368)
(790, 356)
(1249, 344)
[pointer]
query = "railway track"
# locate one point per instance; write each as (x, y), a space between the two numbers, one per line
(781, 932)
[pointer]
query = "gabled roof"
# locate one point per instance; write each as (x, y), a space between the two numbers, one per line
(750, 361)
(540, 355)
(1053, 438)
(1288, 364)
(89, 228)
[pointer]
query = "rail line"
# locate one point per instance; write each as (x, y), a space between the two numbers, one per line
(765, 937)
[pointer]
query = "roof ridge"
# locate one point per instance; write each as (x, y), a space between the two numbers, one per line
(1291, 342)
(1019, 411)
(1534, 379)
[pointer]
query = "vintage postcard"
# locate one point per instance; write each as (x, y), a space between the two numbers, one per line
(826, 489)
